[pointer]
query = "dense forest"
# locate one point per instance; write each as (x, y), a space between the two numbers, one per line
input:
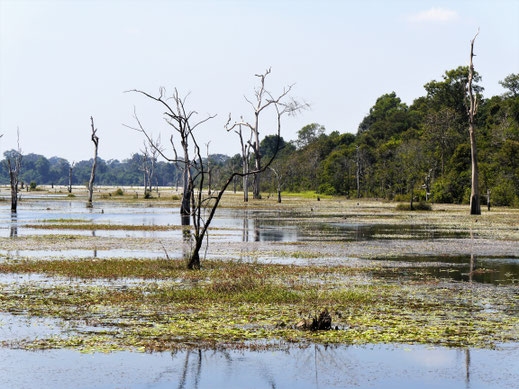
(423, 148)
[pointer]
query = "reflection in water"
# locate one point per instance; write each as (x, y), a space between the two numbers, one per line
(256, 230)
(13, 230)
(467, 368)
(198, 370)
(245, 233)
(340, 366)
(95, 248)
(186, 236)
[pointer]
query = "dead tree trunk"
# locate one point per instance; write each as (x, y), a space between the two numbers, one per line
(358, 172)
(245, 157)
(95, 140)
(70, 177)
(14, 164)
(475, 207)
(278, 182)
(209, 171)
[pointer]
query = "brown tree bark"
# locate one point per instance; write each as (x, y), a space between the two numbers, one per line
(475, 207)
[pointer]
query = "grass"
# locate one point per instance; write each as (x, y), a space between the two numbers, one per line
(309, 194)
(85, 226)
(231, 303)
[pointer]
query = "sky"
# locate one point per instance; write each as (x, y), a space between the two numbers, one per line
(64, 61)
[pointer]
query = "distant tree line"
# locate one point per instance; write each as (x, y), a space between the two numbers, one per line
(46, 171)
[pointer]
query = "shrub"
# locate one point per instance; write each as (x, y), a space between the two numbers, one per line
(420, 206)
(32, 185)
(175, 197)
(118, 192)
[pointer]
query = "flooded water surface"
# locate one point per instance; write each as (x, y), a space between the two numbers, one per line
(288, 237)
(313, 367)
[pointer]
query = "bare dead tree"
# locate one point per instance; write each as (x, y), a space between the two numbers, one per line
(263, 99)
(279, 178)
(14, 164)
(209, 170)
(245, 155)
(146, 167)
(179, 119)
(71, 166)
(95, 140)
(475, 207)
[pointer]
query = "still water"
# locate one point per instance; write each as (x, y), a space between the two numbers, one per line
(313, 367)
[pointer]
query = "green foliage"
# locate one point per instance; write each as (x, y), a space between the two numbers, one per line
(32, 185)
(503, 193)
(327, 189)
(119, 192)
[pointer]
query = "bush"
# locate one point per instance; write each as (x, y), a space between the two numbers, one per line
(32, 185)
(420, 206)
(403, 197)
(175, 197)
(118, 192)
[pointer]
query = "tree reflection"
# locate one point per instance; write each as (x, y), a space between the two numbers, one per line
(245, 234)
(186, 236)
(316, 365)
(13, 230)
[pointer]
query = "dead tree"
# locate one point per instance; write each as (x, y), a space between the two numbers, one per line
(245, 156)
(145, 170)
(475, 207)
(263, 99)
(179, 119)
(95, 140)
(70, 177)
(209, 170)
(14, 164)
(279, 177)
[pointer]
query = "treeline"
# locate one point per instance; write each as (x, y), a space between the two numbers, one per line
(42, 171)
(421, 150)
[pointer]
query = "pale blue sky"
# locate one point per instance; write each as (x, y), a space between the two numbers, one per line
(62, 61)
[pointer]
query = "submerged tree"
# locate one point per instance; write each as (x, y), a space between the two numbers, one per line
(71, 166)
(14, 164)
(475, 208)
(245, 157)
(95, 140)
(177, 117)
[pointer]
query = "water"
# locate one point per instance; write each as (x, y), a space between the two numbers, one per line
(314, 367)
(464, 268)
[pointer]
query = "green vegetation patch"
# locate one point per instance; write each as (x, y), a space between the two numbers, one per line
(238, 303)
